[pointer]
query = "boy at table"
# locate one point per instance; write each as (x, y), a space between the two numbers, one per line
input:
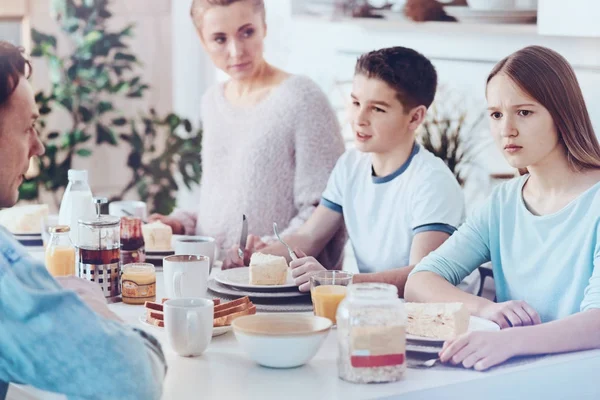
(397, 200)
(57, 340)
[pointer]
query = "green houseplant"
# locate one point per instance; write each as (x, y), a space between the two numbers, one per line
(449, 134)
(99, 69)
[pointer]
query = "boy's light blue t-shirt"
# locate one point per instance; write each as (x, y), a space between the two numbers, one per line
(383, 214)
(549, 261)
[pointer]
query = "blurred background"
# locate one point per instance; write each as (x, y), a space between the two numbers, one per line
(119, 82)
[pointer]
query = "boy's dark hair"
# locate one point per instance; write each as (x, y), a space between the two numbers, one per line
(407, 71)
(13, 65)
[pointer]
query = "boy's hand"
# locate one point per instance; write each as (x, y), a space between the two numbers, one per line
(510, 314)
(303, 268)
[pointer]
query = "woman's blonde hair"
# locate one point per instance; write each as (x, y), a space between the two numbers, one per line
(549, 79)
(199, 7)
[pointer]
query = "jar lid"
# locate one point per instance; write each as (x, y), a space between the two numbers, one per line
(59, 229)
(138, 268)
(101, 221)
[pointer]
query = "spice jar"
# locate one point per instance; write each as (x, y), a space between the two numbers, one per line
(138, 283)
(132, 241)
(371, 324)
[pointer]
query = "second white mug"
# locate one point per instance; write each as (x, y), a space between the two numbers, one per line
(185, 275)
(189, 325)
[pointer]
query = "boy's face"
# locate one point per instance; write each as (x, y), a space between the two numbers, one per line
(379, 121)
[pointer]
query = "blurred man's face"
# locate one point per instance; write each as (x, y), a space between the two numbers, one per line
(19, 141)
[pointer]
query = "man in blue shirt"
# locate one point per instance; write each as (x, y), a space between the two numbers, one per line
(57, 340)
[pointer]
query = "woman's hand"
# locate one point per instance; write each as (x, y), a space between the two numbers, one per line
(232, 258)
(481, 350)
(177, 226)
(510, 313)
(303, 268)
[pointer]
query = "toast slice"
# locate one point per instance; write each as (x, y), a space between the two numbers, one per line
(226, 320)
(233, 303)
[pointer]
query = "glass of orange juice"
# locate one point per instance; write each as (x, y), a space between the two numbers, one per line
(327, 290)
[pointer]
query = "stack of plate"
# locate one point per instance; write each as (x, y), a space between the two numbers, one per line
(234, 283)
(29, 239)
(156, 257)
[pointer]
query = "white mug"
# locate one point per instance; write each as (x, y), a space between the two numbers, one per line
(128, 208)
(185, 276)
(196, 245)
(189, 325)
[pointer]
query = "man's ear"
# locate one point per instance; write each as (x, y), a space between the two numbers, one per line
(417, 115)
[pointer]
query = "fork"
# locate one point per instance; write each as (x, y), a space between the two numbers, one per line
(293, 255)
(422, 364)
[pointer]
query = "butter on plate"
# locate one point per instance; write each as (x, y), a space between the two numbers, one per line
(266, 269)
(437, 320)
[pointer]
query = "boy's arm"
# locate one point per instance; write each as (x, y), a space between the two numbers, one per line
(312, 236)
(423, 244)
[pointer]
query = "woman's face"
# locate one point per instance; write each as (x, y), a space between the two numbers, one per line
(522, 128)
(233, 37)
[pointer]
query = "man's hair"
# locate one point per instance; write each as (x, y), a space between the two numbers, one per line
(407, 71)
(13, 65)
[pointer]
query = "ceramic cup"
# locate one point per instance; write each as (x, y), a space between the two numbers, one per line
(189, 325)
(196, 245)
(185, 275)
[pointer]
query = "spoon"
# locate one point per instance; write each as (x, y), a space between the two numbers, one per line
(293, 255)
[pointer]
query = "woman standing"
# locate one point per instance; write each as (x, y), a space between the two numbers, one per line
(540, 231)
(270, 139)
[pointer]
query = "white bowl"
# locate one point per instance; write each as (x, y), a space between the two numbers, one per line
(281, 340)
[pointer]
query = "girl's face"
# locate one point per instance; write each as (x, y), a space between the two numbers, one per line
(233, 36)
(522, 128)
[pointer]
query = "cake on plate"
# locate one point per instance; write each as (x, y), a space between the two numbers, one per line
(266, 269)
(157, 236)
(24, 219)
(437, 320)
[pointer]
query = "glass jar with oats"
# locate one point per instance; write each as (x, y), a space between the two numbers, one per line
(371, 325)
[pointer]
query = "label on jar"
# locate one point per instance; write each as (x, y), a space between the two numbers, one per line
(377, 346)
(131, 289)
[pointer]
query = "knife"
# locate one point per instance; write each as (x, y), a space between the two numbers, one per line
(244, 237)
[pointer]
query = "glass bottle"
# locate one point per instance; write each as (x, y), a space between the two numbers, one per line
(77, 203)
(371, 331)
(60, 252)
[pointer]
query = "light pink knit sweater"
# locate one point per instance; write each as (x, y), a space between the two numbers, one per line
(270, 162)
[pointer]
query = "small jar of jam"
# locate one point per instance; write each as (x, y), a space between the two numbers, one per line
(138, 283)
(132, 241)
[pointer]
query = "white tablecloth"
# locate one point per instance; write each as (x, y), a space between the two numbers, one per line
(224, 372)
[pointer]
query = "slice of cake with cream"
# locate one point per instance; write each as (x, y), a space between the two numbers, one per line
(157, 236)
(437, 320)
(266, 269)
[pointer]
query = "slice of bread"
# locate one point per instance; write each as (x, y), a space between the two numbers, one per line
(228, 319)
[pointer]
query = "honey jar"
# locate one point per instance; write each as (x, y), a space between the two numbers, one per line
(138, 283)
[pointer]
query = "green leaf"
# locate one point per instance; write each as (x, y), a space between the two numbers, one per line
(187, 125)
(86, 114)
(104, 106)
(84, 153)
(134, 160)
(53, 135)
(173, 121)
(29, 190)
(125, 57)
(128, 30)
(39, 38)
(105, 135)
(119, 121)
(45, 110)
(92, 37)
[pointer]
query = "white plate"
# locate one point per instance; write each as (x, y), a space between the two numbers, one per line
(217, 330)
(514, 16)
(475, 324)
(240, 278)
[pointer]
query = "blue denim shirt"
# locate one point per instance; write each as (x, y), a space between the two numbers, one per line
(51, 340)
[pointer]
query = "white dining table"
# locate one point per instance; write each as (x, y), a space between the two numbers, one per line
(225, 372)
